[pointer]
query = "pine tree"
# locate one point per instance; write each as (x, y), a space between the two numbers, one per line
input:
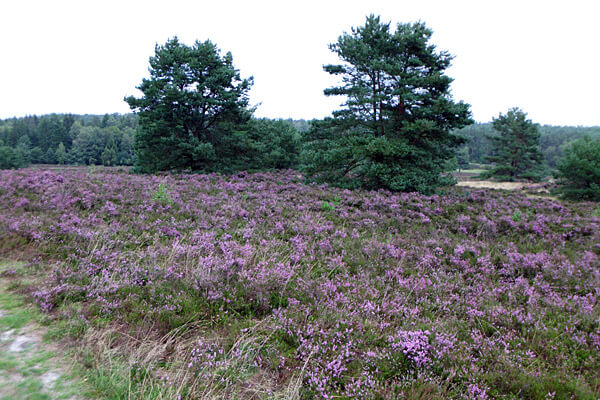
(8, 158)
(194, 96)
(516, 151)
(394, 131)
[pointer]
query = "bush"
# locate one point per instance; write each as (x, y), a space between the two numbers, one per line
(579, 170)
(260, 144)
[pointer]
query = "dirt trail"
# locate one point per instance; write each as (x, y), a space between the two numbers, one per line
(29, 367)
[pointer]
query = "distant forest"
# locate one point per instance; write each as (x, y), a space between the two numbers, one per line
(71, 139)
(79, 139)
(553, 140)
(109, 139)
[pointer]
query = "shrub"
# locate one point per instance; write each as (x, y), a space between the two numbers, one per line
(579, 170)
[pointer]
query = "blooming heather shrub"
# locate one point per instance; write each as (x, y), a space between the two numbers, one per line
(381, 296)
(414, 345)
(205, 358)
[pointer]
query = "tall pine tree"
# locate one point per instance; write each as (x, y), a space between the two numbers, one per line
(194, 96)
(394, 131)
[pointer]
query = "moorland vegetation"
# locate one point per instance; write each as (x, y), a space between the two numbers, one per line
(259, 259)
(265, 285)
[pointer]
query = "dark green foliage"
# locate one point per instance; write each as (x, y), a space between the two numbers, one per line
(194, 115)
(61, 154)
(49, 157)
(579, 170)
(107, 146)
(267, 144)
(23, 150)
(462, 158)
(9, 158)
(109, 140)
(51, 131)
(516, 149)
(553, 140)
(478, 145)
(301, 125)
(109, 156)
(125, 150)
(65, 139)
(88, 145)
(193, 100)
(37, 155)
(395, 129)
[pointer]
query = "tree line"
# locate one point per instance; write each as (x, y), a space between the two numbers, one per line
(395, 130)
(109, 140)
(38, 139)
(553, 141)
(67, 139)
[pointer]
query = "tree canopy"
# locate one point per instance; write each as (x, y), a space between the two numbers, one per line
(395, 128)
(193, 96)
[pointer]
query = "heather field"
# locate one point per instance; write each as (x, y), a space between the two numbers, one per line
(264, 286)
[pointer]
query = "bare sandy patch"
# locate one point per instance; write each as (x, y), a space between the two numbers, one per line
(533, 190)
(494, 185)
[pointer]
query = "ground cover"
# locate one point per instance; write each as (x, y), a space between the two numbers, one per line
(29, 367)
(264, 286)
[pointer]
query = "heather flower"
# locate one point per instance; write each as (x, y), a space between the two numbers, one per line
(385, 292)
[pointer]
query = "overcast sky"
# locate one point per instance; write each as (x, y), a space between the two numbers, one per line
(85, 56)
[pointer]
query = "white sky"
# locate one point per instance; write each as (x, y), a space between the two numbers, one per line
(84, 56)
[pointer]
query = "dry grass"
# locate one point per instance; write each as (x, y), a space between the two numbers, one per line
(117, 353)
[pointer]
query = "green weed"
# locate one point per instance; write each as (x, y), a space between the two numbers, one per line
(517, 216)
(162, 196)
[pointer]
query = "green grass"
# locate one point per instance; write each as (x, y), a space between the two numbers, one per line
(21, 373)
